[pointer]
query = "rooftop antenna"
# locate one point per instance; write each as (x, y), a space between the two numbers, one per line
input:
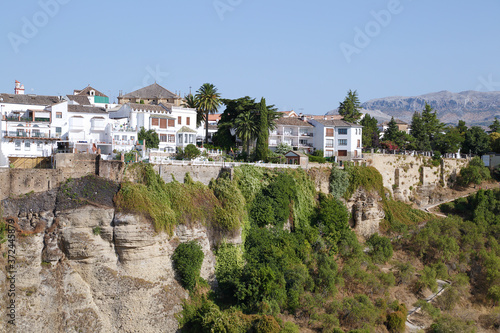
(189, 90)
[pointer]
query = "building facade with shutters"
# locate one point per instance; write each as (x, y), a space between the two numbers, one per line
(338, 138)
(175, 126)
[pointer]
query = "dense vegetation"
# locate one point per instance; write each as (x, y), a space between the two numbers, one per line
(301, 265)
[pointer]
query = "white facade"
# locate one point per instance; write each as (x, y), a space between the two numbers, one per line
(29, 130)
(294, 132)
(175, 126)
(338, 138)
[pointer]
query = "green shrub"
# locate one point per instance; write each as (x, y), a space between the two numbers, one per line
(367, 177)
(339, 182)
(290, 327)
(332, 220)
(446, 324)
(267, 324)
(396, 322)
(380, 248)
(474, 173)
(188, 258)
(96, 230)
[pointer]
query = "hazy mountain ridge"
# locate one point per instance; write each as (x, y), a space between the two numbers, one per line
(476, 108)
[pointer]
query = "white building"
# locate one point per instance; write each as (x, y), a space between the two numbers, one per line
(295, 132)
(175, 126)
(338, 138)
(29, 124)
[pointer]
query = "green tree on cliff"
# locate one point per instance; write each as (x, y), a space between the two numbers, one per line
(263, 136)
(350, 107)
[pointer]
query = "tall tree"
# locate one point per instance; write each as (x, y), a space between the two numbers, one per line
(462, 128)
(208, 102)
(263, 132)
(476, 141)
(370, 130)
(495, 126)
(190, 101)
(391, 133)
(425, 128)
(246, 128)
(350, 107)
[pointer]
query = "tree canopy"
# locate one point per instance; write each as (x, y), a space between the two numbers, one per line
(150, 137)
(208, 101)
(350, 107)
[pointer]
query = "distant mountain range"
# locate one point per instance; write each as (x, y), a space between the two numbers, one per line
(475, 107)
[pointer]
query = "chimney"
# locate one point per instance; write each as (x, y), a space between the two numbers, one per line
(19, 88)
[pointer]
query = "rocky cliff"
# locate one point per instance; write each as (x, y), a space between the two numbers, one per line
(476, 108)
(84, 267)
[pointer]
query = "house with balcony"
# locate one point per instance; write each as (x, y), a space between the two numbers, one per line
(175, 126)
(28, 125)
(88, 129)
(338, 138)
(295, 132)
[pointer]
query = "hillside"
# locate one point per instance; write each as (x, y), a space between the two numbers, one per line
(273, 255)
(476, 108)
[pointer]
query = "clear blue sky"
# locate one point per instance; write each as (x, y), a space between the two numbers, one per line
(291, 52)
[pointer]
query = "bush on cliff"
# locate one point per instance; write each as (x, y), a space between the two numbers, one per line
(188, 258)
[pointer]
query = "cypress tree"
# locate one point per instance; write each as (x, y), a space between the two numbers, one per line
(263, 136)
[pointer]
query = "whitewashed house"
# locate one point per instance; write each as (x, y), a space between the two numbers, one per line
(29, 124)
(338, 138)
(295, 132)
(175, 126)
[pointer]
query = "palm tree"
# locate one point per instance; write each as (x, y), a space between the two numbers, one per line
(246, 128)
(208, 102)
(190, 101)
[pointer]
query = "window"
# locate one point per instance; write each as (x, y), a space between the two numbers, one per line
(359, 143)
(18, 145)
(124, 137)
(163, 138)
(342, 142)
(154, 121)
(132, 138)
(342, 131)
(179, 138)
(171, 123)
(303, 142)
(39, 146)
(342, 152)
(329, 143)
(188, 121)
(27, 146)
(163, 123)
(59, 115)
(179, 120)
(328, 153)
(171, 138)
(116, 137)
(58, 131)
(329, 132)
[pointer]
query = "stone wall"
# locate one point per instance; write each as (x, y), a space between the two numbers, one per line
(198, 173)
(4, 183)
(22, 181)
(402, 174)
(77, 165)
(112, 170)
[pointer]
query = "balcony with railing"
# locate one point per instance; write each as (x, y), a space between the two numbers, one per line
(27, 135)
(26, 119)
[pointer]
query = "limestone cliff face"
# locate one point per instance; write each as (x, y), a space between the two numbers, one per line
(92, 269)
(367, 212)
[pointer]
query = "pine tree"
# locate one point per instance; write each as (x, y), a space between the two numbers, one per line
(350, 107)
(495, 126)
(263, 135)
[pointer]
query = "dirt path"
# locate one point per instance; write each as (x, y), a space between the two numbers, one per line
(442, 285)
